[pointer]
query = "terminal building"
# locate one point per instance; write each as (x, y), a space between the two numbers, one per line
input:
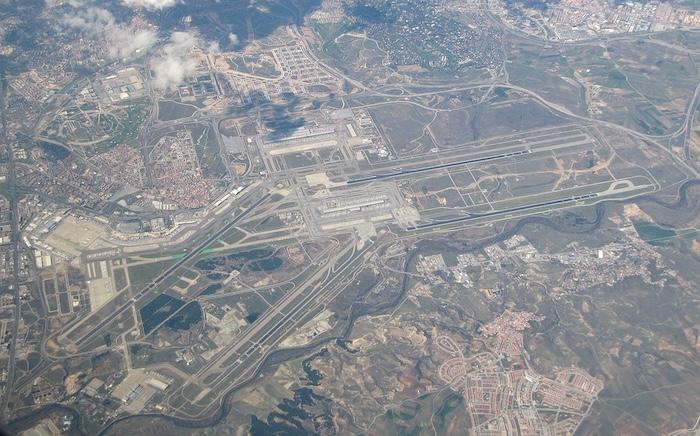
(300, 140)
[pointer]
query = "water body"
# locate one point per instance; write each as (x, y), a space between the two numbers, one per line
(252, 317)
(267, 265)
(55, 151)
(158, 311)
(263, 259)
(211, 289)
(283, 355)
(186, 318)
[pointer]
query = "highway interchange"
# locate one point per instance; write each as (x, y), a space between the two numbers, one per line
(201, 392)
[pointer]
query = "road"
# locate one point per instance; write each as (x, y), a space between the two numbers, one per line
(650, 139)
(191, 253)
(686, 126)
(596, 40)
(242, 358)
(687, 129)
(234, 366)
(16, 250)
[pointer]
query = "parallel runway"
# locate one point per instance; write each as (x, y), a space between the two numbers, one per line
(164, 275)
(400, 173)
(233, 365)
(475, 216)
(455, 158)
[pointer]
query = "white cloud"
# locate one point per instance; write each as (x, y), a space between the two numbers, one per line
(150, 4)
(92, 19)
(127, 43)
(175, 63)
(233, 38)
(122, 41)
(171, 64)
(214, 48)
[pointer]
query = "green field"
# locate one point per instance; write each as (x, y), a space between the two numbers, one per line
(170, 110)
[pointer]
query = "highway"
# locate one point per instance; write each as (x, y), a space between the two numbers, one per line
(15, 238)
(240, 359)
(168, 272)
(233, 366)
(593, 41)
